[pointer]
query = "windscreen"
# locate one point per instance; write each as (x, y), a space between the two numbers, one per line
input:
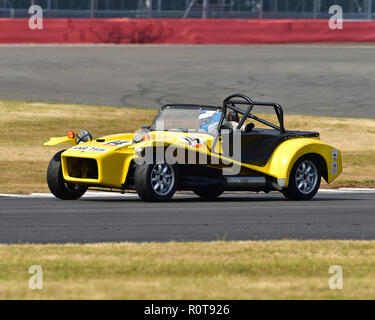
(188, 119)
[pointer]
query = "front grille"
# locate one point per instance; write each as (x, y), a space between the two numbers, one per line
(82, 168)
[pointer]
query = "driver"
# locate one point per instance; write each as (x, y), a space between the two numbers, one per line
(209, 120)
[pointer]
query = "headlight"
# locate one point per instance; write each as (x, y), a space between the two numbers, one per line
(83, 136)
(141, 137)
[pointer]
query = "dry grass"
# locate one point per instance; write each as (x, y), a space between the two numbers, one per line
(25, 126)
(354, 137)
(224, 270)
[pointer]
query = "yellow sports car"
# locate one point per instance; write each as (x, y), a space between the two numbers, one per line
(202, 148)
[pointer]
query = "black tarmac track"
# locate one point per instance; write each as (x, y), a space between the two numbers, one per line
(187, 218)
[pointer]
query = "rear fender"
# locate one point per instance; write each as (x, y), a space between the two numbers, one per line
(286, 155)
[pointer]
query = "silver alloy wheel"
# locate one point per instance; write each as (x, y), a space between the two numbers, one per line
(306, 177)
(162, 178)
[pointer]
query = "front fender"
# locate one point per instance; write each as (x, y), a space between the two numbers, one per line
(54, 141)
(287, 153)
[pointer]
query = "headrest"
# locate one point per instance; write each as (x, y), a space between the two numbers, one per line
(233, 116)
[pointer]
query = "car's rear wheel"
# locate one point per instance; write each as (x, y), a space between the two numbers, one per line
(304, 180)
(156, 182)
(59, 187)
(208, 193)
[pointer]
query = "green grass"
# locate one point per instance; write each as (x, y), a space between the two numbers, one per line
(213, 270)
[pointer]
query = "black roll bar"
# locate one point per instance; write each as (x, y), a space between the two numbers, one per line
(230, 103)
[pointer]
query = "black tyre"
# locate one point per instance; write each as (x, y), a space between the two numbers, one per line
(156, 182)
(304, 180)
(208, 193)
(59, 187)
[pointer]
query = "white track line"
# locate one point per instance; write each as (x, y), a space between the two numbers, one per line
(105, 195)
(348, 190)
(86, 195)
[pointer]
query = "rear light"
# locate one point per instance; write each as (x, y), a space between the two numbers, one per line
(146, 137)
(71, 134)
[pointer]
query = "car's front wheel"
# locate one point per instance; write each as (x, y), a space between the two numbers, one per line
(59, 187)
(155, 182)
(304, 179)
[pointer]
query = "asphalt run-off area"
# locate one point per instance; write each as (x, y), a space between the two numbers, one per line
(314, 79)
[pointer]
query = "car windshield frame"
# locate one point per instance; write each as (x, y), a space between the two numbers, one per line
(190, 106)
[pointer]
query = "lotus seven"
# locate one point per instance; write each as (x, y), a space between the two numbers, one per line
(202, 148)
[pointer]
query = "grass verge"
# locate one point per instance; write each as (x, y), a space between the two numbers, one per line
(225, 270)
(25, 126)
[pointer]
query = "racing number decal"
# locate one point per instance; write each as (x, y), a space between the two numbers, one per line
(117, 143)
(92, 149)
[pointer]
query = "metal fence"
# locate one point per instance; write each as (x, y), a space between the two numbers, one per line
(315, 9)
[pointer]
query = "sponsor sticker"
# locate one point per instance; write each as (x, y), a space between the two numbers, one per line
(335, 154)
(334, 168)
(117, 143)
(91, 149)
(191, 141)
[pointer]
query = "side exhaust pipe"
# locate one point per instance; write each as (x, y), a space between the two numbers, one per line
(246, 182)
(230, 183)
